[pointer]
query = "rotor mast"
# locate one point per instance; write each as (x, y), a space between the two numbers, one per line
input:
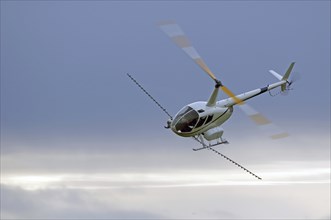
(213, 97)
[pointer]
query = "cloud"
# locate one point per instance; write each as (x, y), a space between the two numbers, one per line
(156, 154)
(63, 204)
(179, 179)
(119, 185)
(105, 178)
(223, 201)
(162, 183)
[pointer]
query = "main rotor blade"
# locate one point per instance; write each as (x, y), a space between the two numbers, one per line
(173, 30)
(262, 122)
(231, 95)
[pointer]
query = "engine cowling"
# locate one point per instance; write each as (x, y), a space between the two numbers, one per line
(213, 133)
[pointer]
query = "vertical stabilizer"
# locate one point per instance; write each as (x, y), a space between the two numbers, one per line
(285, 77)
(287, 74)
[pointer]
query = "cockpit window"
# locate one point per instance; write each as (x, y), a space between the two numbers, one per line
(201, 121)
(181, 113)
(186, 119)
(210, 117)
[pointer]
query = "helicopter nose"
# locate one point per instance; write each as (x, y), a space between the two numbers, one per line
(168, 124)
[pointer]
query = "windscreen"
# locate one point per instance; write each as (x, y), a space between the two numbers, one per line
(186, 119)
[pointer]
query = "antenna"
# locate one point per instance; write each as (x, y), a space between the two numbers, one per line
(237, 164)
(151, 97)
(227, 158)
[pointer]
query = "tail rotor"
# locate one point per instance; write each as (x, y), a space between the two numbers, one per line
(296, 76)
(285, 88)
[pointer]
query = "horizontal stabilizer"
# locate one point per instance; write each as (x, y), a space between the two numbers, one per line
(278, 76)
(287, 74)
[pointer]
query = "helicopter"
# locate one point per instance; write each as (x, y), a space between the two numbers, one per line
(202, 120)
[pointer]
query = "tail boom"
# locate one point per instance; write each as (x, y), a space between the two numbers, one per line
(283, 81)
(248, 95)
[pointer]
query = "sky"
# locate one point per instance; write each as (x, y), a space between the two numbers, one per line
(80, 140)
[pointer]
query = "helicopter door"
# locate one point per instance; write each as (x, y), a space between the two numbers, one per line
(201, 121)
(210, 117)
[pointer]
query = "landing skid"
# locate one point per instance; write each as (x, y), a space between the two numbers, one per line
(210, 145)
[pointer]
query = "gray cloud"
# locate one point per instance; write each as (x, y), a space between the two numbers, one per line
(64, 204)
(221, 202)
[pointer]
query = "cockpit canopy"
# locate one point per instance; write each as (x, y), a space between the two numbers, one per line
(186, 119)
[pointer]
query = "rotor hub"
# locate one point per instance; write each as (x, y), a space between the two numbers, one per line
(218, 83)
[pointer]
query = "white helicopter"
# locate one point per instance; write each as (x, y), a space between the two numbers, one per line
(202, 120)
